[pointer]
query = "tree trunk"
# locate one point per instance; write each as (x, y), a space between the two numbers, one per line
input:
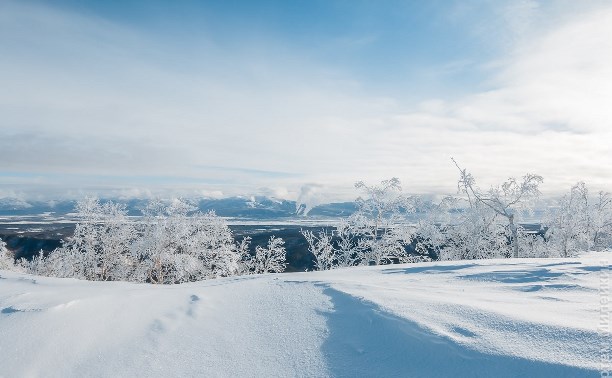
(595, 237)
(514, 241)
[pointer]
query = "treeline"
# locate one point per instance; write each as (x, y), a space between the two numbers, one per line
(475, 224)
(174, 243)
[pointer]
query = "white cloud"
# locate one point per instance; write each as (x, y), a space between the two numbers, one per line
(94, 105)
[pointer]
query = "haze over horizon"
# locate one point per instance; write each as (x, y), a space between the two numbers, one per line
(300, 99)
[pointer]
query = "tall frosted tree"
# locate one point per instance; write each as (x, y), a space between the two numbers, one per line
(506, 201)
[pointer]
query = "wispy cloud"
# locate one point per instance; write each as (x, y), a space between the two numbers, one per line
(98, 105)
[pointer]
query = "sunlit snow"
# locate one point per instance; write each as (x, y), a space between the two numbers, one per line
(512, 317)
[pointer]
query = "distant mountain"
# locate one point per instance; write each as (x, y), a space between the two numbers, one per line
(16, 206)
(249, 207)
(266, 208)
(338, 209)
(256, 207)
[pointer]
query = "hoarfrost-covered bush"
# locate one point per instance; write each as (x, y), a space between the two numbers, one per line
(377, 233)
(601, 222)
(579, 222)
(568, 226)
(322, 248)
(453, 231)
(99, 249)
(271, 259)
(534, 245)
(477, 235)
(173, 243)
(177, 244)
(7, 261)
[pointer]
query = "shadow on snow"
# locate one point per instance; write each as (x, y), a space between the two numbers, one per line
(364, 341)
(515, 276)
(428, 269)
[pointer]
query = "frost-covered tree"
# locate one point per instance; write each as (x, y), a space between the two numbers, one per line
(177, 244)
(377, 233)
(271, 259)
(477, 234)
(601, 222)
(378, 227)
(481, 224)
(321, 247)
(173, 243)
(506, 201)
(7, 260)
(533, 245)
(454, 230)
(99, 249)
(433, 225)
(346, 250)
(568, 226)
(579, 222)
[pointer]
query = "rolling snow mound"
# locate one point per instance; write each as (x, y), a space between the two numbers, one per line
(487, 318)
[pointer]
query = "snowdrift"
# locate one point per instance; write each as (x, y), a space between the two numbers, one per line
(487, 318)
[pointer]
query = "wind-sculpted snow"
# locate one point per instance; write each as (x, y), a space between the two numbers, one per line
(490, 318)
(367, 341)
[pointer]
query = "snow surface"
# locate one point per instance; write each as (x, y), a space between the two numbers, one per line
(487, 318)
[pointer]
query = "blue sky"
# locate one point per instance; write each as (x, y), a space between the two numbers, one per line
(282, 98)
(387, 46)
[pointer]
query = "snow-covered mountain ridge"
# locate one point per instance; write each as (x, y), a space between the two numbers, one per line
(502, 318)
(255, 207)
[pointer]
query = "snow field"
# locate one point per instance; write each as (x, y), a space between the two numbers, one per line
(503, 318)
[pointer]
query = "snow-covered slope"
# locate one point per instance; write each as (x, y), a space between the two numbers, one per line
(495, 318)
